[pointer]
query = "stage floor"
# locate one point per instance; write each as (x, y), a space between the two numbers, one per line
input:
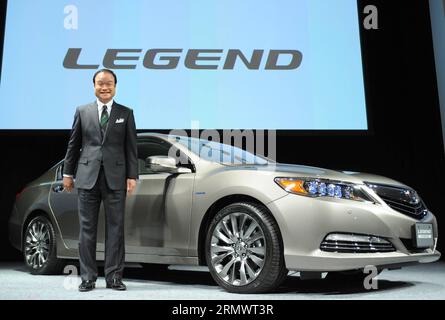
(183, 283)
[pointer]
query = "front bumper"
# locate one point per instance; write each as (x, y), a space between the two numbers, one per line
(304, 222)
(326, 261)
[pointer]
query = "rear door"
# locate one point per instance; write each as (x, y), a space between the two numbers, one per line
(157, 215)
(65, 208)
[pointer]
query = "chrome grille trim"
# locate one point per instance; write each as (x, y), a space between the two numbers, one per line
(373, 245)
(403, 200)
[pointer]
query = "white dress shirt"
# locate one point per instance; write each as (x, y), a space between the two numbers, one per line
(100, 106)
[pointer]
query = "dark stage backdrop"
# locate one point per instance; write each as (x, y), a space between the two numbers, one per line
(404, 141)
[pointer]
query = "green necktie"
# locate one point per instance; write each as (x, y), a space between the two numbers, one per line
(104, 117)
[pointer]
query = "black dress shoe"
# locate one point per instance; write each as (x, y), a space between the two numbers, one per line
(116, 284)
(87, 285)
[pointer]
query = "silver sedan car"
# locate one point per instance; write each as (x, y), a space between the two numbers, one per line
(246, 217)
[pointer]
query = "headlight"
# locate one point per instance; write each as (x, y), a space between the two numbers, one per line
(313, 187)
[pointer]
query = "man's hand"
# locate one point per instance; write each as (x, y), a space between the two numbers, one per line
(68, 183)
(131, 185)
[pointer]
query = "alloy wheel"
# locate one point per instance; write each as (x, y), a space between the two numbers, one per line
(238, 249)
(37, 244)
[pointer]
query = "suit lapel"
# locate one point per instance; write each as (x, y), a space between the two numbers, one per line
(112, 119)
(94, 116)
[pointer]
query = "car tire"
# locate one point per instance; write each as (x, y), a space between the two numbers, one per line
(244, 250)
(39, 247)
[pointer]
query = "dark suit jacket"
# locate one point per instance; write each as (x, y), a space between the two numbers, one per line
(117, 148)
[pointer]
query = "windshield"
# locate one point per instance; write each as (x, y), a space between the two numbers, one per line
(222, 153)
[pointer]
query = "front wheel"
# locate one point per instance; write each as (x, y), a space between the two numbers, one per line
(39, 247)
(243, 249)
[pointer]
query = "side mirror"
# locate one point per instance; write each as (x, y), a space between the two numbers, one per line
(164, 164)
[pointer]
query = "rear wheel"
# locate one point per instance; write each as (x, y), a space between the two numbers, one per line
(39, 247)
(243, 249)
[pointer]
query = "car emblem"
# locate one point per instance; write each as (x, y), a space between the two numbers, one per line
(411, 197)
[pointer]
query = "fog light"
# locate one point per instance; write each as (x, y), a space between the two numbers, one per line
(355, 238)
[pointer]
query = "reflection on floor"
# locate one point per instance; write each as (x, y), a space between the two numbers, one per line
(184, 283)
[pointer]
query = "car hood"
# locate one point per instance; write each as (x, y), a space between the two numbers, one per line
(292, 170)
(374, 178)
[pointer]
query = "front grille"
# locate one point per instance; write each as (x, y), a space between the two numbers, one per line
(403, 200)
(368, 244)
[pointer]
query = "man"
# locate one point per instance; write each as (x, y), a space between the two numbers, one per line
(103, 147)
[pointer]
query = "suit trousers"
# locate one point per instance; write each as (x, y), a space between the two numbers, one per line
(89, 201)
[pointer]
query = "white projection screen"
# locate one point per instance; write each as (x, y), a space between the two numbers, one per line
(284, 64)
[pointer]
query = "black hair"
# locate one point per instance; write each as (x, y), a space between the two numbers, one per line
(105, 70)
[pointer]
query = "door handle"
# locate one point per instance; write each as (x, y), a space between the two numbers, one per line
(58, 188)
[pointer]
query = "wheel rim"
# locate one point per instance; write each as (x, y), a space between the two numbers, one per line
(238, 249)
(37, 243)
